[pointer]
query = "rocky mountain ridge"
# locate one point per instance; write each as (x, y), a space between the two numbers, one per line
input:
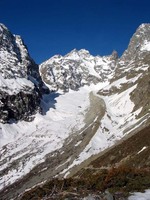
(134, 65)
(76, 69)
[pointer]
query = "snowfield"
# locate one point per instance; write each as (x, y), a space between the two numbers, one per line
(42, 136)
(117, 118)
(140, 196)
(63, 115)
(146, 46)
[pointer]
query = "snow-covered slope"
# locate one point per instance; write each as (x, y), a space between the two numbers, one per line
(135, 64)
(105, 99)
(27, 144)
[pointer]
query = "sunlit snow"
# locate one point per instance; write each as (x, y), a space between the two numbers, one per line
(140, 195)
(44, 135)
(145, 46)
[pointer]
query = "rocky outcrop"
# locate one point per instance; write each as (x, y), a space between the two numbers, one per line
(136, 48)
(20, 82)
(19, 106)
(136, 57)
(133, 68)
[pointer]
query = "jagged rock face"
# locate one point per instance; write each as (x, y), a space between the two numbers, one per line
(18, 106)
(137, 59)
(134, 66)
(136, 55)
(76, 69)
(19, 97)
(138, 44)
(15, 61)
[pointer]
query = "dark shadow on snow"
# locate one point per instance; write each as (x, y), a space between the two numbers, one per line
(48, 101)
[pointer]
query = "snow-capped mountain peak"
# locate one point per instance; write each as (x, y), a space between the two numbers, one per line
(76, 69)
(76, 54)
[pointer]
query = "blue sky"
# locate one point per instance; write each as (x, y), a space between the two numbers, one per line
(51, 27)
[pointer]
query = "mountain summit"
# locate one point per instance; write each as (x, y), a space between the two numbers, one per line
(76, 69)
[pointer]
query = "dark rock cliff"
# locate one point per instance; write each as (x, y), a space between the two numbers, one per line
(20, 82)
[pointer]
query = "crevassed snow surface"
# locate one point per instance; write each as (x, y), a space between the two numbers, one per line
(140, 196)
